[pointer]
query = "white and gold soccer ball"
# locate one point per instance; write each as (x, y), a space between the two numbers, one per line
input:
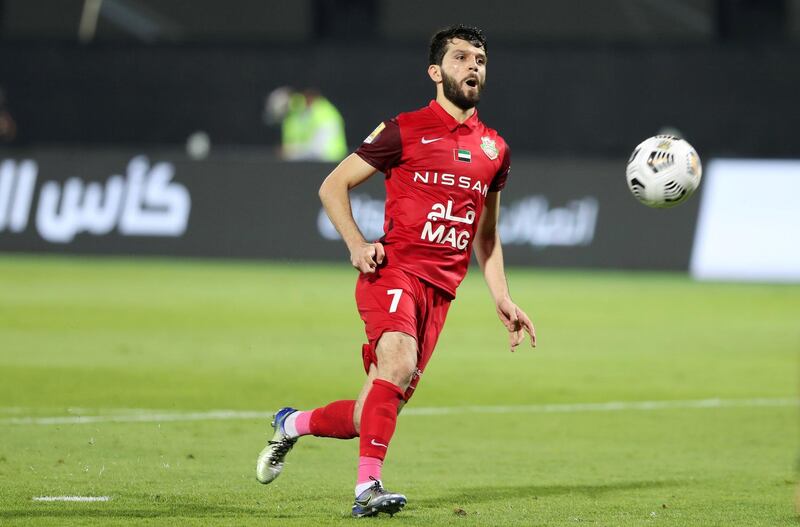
(663, 171)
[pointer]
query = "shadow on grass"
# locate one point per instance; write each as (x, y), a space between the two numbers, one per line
(495, 493)
(144, 507)
(189, 509)
(182, 510)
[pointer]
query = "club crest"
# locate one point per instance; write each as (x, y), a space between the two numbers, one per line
(489, 148)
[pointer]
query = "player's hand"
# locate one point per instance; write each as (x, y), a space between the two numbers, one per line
(516, 322)
(367, 257)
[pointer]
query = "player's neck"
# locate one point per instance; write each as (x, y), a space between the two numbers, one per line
(455, 112)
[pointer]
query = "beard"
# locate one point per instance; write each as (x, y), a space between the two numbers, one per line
(456, 95)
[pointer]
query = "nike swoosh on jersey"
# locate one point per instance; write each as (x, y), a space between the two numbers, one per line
(375, 443)
(426, 141)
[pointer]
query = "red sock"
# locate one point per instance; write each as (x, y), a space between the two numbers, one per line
(334, 420)
(379, 418)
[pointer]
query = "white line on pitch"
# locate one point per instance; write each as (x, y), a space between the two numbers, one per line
(606, 407)
(71, 498)
(152, 416)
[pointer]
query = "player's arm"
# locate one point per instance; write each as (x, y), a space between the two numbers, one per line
(335, 196)
(489, 253)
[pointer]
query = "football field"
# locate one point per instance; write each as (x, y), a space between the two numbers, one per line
(650, 400)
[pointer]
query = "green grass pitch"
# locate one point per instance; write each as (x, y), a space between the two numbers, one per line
(127, 340)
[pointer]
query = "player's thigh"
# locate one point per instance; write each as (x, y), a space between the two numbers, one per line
(397, 357)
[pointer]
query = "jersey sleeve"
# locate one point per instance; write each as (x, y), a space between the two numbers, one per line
(383, 147)
(499, 181)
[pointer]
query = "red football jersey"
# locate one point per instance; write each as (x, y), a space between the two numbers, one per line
(438, 173)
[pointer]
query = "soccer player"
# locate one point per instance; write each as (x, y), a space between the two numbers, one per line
(444, 172)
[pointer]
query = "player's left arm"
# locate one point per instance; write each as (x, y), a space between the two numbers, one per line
(489, 253)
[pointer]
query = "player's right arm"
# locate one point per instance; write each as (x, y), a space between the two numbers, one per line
(335, 196)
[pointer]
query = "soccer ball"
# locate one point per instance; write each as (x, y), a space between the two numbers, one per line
(663, 171)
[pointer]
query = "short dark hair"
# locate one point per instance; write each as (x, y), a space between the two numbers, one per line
(442, 38)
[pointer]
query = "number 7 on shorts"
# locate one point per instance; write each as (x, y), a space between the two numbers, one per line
(397, 293)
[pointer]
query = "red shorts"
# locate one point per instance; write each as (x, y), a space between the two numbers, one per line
(394, 300)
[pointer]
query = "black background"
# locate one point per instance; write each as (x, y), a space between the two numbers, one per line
(247, 205)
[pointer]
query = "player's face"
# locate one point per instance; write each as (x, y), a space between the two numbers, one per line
(463, 73)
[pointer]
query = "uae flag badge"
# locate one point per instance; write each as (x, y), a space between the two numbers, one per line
(462, 155)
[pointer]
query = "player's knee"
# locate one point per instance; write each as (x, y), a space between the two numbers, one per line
(404, 372)
(402, 377)
(399, 372)
(397, 358)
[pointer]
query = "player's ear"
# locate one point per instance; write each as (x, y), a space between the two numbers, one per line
(435, 73)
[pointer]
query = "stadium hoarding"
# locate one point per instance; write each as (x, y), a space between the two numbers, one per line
(749, 222)
(556, 212)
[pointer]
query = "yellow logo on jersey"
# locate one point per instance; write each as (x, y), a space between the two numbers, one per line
(375, 133)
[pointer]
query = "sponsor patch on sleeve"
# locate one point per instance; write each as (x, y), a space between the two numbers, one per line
(375, 133)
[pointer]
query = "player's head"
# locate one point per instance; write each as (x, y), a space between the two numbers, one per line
(457, 64)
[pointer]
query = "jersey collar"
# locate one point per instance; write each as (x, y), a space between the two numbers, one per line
(450, 121)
